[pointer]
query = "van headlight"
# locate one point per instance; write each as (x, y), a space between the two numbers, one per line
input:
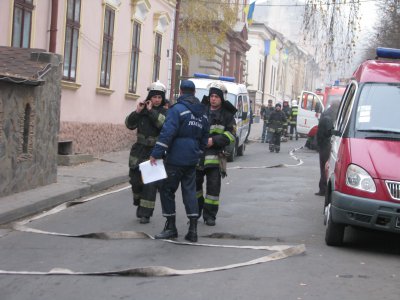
(358, 178)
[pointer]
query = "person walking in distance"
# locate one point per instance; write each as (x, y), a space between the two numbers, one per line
(182, 141)
(276, 121)
(221, 117)
(148, 118)
(265, 113)
(294, 110)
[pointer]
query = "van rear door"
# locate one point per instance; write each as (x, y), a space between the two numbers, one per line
(310, 109)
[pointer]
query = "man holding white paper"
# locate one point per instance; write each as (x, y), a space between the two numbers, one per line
(182, 140)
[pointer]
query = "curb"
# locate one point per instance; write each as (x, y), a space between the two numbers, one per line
(52, 201)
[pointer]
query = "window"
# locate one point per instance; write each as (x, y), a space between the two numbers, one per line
(107, 47)
(71, 39)
(22, 23)
(157, 57)
(133, 76)
(346, 108)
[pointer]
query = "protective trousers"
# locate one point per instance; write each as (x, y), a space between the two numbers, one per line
(144, 195)
(264, 135)
(324, 153)
(275, 141)
(186, 176)
(209, 202)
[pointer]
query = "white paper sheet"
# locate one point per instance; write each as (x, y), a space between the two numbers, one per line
(152, 173)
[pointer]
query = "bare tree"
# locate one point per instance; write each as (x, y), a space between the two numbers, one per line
(386, 32)
(335, 25)
(204, 24)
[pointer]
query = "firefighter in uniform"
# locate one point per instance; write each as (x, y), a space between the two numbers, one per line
(148, 119)
(276, 121)
(265, 113)
(213, 164)
(293, 120)
(286, 111)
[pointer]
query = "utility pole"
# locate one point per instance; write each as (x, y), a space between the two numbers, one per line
(174, 50)
(53, 26)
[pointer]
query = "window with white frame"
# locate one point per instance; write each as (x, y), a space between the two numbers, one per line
(22, 23)
(71, 39)
(157, 56)
(106, 55)
(133, 76)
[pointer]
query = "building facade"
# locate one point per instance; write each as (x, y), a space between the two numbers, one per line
(112, 50)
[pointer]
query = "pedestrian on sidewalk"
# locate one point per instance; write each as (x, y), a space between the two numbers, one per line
(148, 119)
(212, 166)
(182, 140)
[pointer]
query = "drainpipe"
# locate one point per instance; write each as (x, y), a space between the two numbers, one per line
(174, 50)
(53, 26)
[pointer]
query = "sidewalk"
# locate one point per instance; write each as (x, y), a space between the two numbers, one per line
(77, 181)
(72, 182)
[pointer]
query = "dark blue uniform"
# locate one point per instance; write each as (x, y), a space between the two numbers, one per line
(182, 140)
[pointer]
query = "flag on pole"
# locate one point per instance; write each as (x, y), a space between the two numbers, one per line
(250, 11)
(272, 49)
(267, 47)
(285, 54)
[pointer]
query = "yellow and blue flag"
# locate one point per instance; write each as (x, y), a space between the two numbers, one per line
(249, 10)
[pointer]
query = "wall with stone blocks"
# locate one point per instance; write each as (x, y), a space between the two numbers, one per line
(29, 126)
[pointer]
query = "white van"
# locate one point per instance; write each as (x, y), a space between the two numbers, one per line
(310, 108)
(239, 97)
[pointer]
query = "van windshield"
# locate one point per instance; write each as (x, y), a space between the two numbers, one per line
(378, 108)
(204, 92)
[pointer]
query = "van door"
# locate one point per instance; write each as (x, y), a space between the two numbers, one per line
(310, 109)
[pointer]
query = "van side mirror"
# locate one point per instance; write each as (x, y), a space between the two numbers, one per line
(244, 115)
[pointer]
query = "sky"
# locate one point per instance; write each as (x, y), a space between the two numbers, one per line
(285, 17)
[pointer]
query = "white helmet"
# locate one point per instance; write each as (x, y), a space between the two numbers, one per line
(219, 88)
(294, 103)
(157, 86)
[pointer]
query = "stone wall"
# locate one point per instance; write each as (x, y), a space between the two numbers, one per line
(96, 138)
(29, 125)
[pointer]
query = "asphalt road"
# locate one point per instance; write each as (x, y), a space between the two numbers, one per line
(267, 199)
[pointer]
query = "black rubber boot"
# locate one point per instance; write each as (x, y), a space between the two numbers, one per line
(191, 236)
(169, 231)
(271, 147)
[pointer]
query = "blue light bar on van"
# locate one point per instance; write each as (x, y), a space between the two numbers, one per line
(388, 53)
(208, 76)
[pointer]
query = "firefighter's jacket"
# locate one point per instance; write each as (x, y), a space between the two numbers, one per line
(286, 111)
(293, 115)
(276, 121)
(222, 131)
(184, 134)
(148, 125)
(266, 112)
